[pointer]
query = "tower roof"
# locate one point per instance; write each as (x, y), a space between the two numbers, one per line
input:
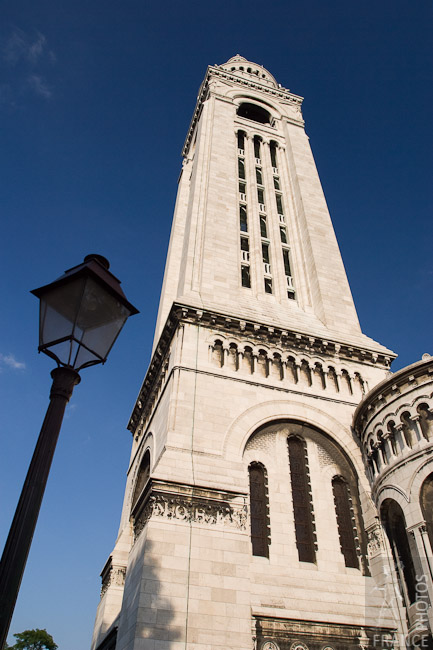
(240, 65)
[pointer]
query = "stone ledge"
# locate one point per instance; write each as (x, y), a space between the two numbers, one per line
(262, 332)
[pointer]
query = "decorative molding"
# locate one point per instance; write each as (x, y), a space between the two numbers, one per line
(396, 387)
(394, 422)
(269, 645)
(113, 575)
(219, 71)
(261, 332)
(189, 504)
(291, 634)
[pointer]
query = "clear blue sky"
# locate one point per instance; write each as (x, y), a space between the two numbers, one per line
(95, 101)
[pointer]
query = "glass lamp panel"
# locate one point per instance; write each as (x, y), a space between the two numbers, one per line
(98, 307)
(99, 341)
(86, 316)
(58, 310)
(99, 321)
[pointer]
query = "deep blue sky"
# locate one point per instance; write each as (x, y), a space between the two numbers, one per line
(95, 101)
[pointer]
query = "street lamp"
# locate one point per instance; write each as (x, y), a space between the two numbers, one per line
(81, 315)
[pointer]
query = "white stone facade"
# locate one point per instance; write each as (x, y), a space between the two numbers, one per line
(243, 363)
(395, 427)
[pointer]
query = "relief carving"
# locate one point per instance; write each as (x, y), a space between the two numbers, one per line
(375, 543)
(191, 509)
(115, 576)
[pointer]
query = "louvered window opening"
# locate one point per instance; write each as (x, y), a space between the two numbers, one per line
(302, 506)
(259, 510)
(345, 522)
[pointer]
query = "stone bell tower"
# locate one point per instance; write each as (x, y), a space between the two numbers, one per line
(247, 519)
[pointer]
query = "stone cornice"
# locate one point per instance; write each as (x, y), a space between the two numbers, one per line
(280, 93)
(286, 339)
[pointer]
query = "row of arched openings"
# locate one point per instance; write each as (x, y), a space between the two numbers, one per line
(303, 512)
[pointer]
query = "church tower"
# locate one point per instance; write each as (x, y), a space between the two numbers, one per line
(248, 519)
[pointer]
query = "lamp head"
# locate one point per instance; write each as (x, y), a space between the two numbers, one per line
(82, 314)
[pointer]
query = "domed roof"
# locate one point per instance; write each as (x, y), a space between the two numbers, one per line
(240, 65)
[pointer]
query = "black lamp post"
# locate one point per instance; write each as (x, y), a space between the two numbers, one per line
(81, 315)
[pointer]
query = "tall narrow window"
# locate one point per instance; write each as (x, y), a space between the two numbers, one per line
(302, 505)
(245, 249)
(395, 526)
(266, 267)
(259, 176)
(345, 521)
(279, 201)
(261, 195)
(245, 276)
(259, 510)
(265, 253)
(241, 168)
(241, 141)
(286, 259)
(283, 234)
(273, 150)
(263, 226)
(427, 506)
(288, 272)
(143, 475)
(245, 245)
(243, 218)
(257, 148)
(277, 183)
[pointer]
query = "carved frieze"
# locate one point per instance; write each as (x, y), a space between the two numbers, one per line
(211, 509)
(290, 634)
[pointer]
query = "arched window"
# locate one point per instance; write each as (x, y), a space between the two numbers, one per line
(142, 478)
(243, 221)
(257, 142)
(241, 141)
(218, 354)
(395, 526)
(254, 112)
(302, 505)
(345, 521)
(259, 506)
(425, 420)
(262, 363)
(273, 151)
(232, 358)
(241, 168)
(247, 360)
(427, 505)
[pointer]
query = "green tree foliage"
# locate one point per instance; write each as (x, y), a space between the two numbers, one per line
(34, 640)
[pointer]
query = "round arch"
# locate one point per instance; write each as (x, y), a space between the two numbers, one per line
(268, 412)
(418, 478)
